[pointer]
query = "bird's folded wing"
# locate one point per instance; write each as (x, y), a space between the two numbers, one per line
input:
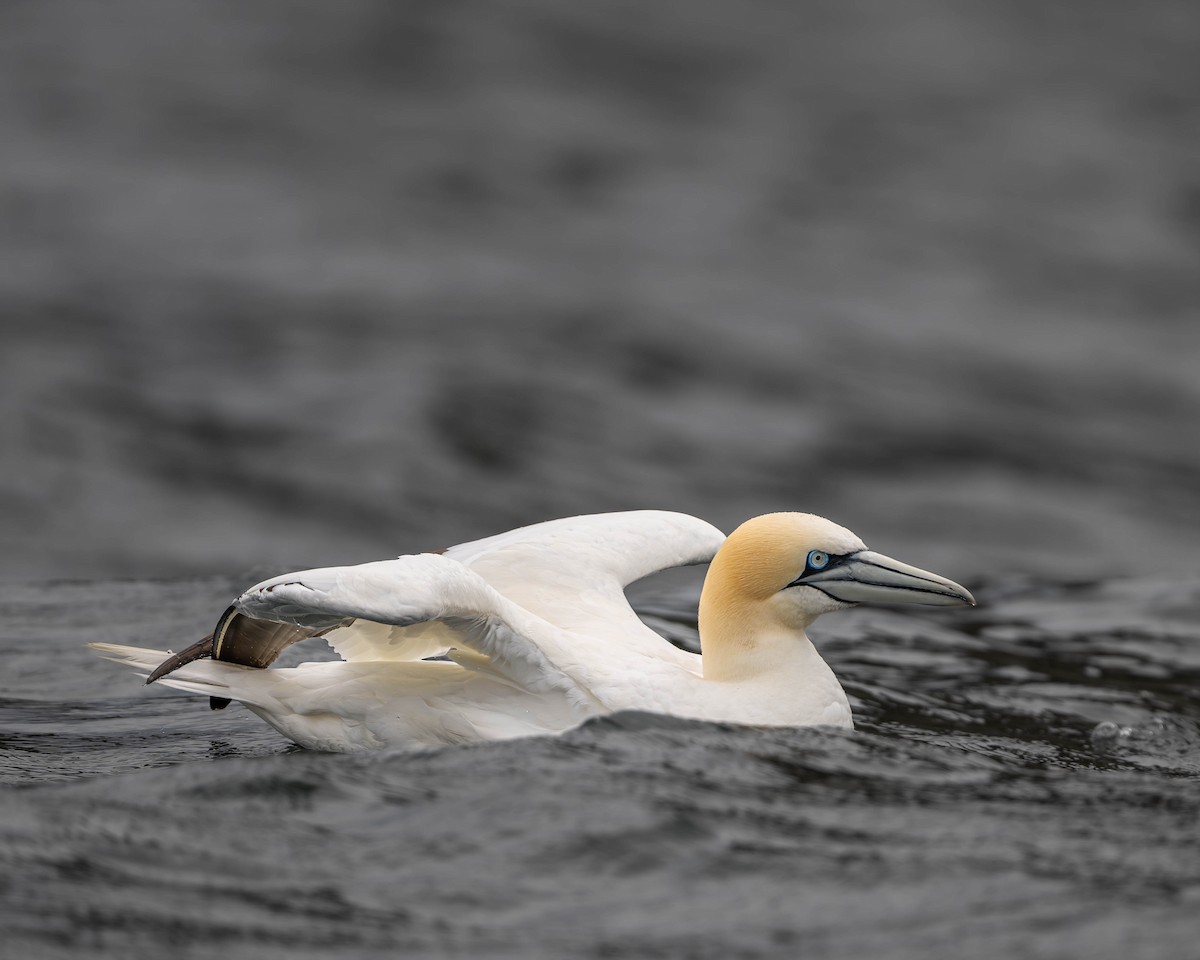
(420, 594)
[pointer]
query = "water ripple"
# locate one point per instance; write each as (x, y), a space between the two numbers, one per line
(1014, 768)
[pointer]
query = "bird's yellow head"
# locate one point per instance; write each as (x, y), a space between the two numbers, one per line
(781, 571)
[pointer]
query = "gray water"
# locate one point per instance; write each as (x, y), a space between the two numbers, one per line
(1022, 782)
(292, 284)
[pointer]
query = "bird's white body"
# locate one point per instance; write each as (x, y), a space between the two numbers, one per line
(534, 635)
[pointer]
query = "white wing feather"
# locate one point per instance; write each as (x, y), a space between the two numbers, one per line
(416, 590)
(599, 551)
(570, 573)
(544, 604)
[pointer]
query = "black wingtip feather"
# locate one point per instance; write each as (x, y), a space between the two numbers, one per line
(197, 651)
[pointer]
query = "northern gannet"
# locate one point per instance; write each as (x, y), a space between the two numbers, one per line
(532, 633)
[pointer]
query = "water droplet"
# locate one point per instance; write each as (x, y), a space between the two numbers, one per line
(1105, 732)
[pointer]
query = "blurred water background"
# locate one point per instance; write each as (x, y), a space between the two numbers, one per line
(288, 284)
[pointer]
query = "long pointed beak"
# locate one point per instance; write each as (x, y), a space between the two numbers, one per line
(869, 577)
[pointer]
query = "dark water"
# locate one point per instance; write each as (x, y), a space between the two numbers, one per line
(1024, 781)
(291, 283)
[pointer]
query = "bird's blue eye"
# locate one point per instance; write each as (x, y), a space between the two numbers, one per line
(817, 559)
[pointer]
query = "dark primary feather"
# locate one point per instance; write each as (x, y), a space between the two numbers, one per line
(241, 639)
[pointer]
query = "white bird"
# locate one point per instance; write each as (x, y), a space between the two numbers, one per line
(532, 634)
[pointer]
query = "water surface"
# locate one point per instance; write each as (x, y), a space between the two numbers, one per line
(1023, 781)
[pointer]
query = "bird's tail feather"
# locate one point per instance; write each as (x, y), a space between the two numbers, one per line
(212, 678)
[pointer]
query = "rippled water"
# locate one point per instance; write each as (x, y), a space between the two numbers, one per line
(1024, 781)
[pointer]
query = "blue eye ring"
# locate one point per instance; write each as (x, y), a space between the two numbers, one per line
(817, 559)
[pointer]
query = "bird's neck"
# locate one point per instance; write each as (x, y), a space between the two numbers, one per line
(741, 641)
